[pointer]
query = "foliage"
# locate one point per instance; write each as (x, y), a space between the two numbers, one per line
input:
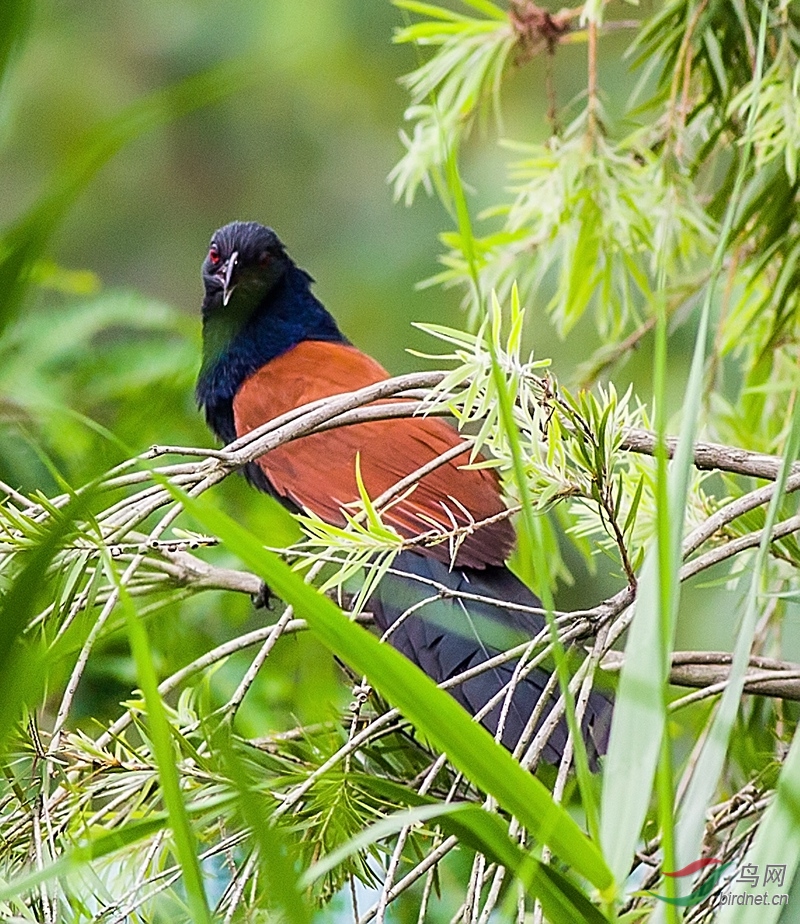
(211, 783)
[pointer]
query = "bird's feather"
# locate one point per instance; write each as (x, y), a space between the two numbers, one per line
(270, 346)
(318, 472)
(447, 635)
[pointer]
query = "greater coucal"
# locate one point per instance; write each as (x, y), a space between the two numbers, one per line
(269, 346)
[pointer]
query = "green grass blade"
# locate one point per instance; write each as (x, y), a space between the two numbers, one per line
(639, 715)
(435, 713)
(777, 843)
(165, 755)
(20, 664)
(536, 544)
(277, 862)
(690, 824)
(531, 524)
(709, 766)
(639, 711)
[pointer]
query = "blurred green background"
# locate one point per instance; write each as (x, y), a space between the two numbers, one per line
(305, 145)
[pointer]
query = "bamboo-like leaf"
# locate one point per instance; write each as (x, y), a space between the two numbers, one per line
(777, 843)
(161, 739)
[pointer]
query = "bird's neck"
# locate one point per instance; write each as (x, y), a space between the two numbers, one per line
(239, 339)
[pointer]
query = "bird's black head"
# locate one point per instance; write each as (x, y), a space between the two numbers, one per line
(245, 261)
(258, 304)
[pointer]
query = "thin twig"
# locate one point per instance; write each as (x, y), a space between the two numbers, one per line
(733, 510)
(591, 88)
(735, 546)
(709, 670)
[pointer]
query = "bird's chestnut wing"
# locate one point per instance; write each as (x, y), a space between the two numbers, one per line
(317, 472)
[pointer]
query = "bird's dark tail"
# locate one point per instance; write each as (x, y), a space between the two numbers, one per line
(451, 634)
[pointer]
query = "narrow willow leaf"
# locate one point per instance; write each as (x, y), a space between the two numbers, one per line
(428, 9)
(777, 843)
(487, 8)
(160, 736)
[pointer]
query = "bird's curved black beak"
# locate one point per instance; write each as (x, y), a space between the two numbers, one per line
(228, 277)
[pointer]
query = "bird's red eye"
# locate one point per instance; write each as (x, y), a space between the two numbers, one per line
(213, 256)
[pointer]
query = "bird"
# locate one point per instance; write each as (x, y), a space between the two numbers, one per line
(270, 346)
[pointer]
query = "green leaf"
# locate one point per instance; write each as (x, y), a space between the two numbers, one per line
(14, 25)
(21, 663)
(777, 842)
(709, 765)
(637, 741)
(165, 753)
(85, 853)
(276, 852)
(487, 8)
(429, 9)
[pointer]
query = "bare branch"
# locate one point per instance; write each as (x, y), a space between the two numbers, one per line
(710, 669)
(710, 456)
